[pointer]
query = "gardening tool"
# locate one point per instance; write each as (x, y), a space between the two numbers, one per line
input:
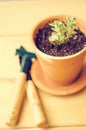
(34, 99)
(36, 106)
(20, 87)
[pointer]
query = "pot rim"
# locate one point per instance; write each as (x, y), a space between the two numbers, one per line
(39, 24)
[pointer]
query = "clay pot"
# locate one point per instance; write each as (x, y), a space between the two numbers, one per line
(60, 70)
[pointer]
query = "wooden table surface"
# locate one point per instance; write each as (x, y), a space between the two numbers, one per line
(17, 19)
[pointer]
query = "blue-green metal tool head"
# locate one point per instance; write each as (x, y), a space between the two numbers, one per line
(25, 59)
(22, 52)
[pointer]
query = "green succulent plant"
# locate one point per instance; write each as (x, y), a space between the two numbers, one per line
(62, 31)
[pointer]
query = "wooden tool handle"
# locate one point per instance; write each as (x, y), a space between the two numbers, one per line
(17, 100)
(36, 105)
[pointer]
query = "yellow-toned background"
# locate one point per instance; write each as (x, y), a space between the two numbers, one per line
(17, 19)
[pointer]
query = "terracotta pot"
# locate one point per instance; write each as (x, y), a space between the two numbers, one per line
(60, 70)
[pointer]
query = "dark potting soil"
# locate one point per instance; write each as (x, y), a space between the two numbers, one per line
(74, 45)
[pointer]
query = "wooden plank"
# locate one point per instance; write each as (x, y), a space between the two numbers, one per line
(60, 111)
(18, 18)
(56, 128)
(9, 66)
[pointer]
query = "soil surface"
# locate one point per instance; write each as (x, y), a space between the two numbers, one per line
(74, 45)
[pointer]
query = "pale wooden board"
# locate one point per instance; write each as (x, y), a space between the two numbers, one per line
(60, 111)
(16, 22)
(9, 66)
(56, 128)
(18, 18)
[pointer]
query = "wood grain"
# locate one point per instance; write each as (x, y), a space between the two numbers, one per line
(60, 111)
(16, 23)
